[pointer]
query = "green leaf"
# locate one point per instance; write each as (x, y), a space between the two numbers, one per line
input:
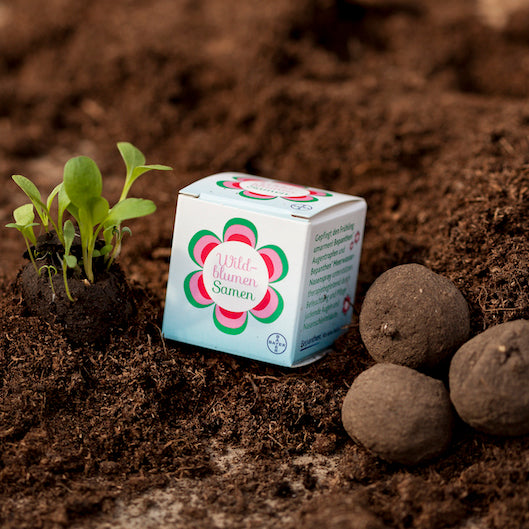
(69, 236)
(82, 181)
(64, 200)
(130, 208)
(99, 209)
(85, 226)
(63, 203)
(19, 227)
(108, 233)
(141, 169)
(26, 231)
(74, 211)
(135, 163)
(131, 155)
(50, 269)
(30, 189)
(24, 215)
(106, 249)
(53, 194)
(71, 261)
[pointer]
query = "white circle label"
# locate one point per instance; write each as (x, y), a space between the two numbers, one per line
(273, 189)
(235, 276)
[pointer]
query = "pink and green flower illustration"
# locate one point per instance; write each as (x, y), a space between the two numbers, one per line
(235, 276)
(265, 189)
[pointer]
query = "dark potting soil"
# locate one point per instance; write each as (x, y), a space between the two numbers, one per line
(97, 310)
(88, 312)
(418, 106)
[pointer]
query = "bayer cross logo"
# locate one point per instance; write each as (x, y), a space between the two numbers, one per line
(301, 207)
(277, 343)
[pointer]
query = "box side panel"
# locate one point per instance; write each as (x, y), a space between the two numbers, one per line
(234, 281)
(304, 255)
(333, 259)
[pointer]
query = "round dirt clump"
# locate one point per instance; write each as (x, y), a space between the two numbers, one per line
(414, 317)
(399, 414)
(489, 380)
(98, 309)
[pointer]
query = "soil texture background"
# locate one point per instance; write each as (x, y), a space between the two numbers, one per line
(418, 106)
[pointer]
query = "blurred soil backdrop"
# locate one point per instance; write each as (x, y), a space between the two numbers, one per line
(421, 107)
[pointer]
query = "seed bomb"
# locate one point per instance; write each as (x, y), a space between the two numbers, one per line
(399, 414)
(489, 380)
(414, 317)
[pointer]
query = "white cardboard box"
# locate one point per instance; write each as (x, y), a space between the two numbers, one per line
(261, 268)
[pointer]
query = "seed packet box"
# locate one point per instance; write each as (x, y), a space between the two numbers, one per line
(261, 268)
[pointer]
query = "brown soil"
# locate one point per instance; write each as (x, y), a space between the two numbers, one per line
(418, 106)
(98, 310)
(88, 313)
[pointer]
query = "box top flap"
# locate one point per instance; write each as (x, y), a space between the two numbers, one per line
(266, 195)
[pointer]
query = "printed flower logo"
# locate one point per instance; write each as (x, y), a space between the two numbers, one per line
(235, 277)
(264, 189)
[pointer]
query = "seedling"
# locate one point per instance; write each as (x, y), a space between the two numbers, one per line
(52, 271)
(24, 217)
(68, 260)
(80, 196)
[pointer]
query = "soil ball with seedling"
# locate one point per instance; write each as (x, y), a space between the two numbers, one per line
(73, 277)
(414, 317)
(489, 380)
(99, 308)
(401, 415)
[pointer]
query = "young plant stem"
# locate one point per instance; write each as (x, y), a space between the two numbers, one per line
(87, 264)
(111, 260)
(125, 191)
(58, 229)
(65, 279)
(115, 252)
(30, 253)
(88, 254)
(49, 268)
